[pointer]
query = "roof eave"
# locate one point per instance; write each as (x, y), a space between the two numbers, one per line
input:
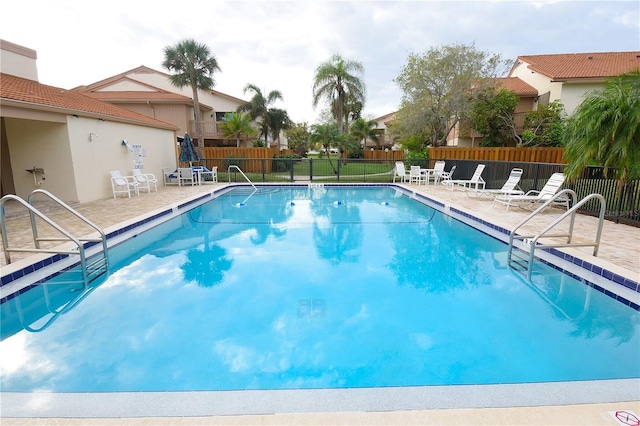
(85, 114)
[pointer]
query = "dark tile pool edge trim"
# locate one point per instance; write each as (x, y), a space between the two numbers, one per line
(608, 275)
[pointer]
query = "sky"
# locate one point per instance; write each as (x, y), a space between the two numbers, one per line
(277, 45)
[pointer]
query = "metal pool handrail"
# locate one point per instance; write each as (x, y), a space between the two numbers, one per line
(532, 240)
(241, 172)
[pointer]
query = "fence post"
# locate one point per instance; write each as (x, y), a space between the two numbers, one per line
(263, 169)
(310, 169)
(291, 169)
(623, 193)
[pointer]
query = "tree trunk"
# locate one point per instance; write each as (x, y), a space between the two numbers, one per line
(198, 120)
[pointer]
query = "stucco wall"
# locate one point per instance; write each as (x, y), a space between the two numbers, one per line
(218, 103)
(93, 160)
(42, 145)
(574, 94)
(570, 94)
(75, 168)
(18, 60)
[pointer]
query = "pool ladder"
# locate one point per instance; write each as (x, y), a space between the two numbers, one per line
(520, 258)
(91, 268)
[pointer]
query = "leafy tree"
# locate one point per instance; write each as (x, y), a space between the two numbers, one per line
(327, 136)
(605, 129)
(362, 130)
(259, 107)
(437, 85)
(298, 138)
(237, 126)
(338, 82)
(544, 126)
(278, 121)
(492, 113)
(193, 66)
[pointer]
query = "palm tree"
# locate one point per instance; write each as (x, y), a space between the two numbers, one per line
(338, 82)
(278, 120)
(193, 66)
(327, 136)
(258, 107)
(237, 126)
(363, 130)
(605, 129)
(352, 110)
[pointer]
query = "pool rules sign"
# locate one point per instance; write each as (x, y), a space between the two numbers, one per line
(138, 153)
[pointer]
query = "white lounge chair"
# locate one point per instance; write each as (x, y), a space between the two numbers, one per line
(509, 187)
(123, 184)
(475, 183)
(169, 176)
(533, 198)
(400, 172)
(146, 180)
(186, 174)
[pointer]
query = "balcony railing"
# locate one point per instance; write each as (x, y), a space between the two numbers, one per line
(210, 129)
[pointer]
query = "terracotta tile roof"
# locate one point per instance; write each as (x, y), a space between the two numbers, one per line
(385, 117)
(14, 88)
(142, 69)
(569, 66)
(138, 96)
(517, 86)
(107, 81)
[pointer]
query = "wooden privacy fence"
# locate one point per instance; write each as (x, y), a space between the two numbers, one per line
(526, 155)
(383, 155)
(248, 159)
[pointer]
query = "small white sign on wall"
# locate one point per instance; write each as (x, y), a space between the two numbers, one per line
(138, 154)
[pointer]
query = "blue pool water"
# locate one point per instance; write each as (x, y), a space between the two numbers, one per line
(313, 288)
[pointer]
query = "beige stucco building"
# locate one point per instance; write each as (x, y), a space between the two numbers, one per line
(569, 77)
(150, 92)
(66, 142)
(542, 79)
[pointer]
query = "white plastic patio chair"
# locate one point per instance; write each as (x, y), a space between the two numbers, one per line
(169, 176)
(146, 180)
(399, 171)
(509, 187)
(123, 184)
(416, 176)
(533, 198)
(436, 173)
(445, 177)
(208, 176)
(475, 183)
(186, 174)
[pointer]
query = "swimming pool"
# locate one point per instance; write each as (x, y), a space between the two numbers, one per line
(296, 288)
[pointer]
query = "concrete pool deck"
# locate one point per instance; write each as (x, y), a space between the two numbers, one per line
(619, 252)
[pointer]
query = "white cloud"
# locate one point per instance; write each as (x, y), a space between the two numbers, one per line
(278, 44)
